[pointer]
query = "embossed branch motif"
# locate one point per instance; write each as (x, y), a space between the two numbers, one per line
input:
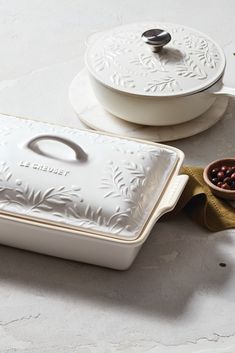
(53, 199)
(59, 202)
(114, 182)
(131, 191)
(168, 83)
(118, 186)
(103, 61)
(5, 172)
(138, 174)
(208, 57)
(204, 50)
(86, 217)
(142, 151)
(190, 69)
(5, 176)
(201, 56)
(94, 218)
(112, 48)
(127, 182)
(149, 63)
(122, 80)
(194, 42)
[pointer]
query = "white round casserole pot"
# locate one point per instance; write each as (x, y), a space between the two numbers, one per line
(155, 73)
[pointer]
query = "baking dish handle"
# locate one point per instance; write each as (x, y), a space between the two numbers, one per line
(79, 152)
(171, 196)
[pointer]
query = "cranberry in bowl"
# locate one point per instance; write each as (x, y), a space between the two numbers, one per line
(220, 177)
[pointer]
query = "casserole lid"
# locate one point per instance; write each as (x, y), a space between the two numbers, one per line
(132, 59)
(81, 179)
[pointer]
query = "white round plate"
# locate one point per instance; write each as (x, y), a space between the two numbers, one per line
(94, 116)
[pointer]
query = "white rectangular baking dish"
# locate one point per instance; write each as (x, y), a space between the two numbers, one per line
(83, 195)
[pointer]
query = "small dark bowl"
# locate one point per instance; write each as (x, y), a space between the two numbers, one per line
(222, 193)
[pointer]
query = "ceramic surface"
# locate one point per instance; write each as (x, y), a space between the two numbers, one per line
(176, 298)
(219, 192)
(92, 114)
(129, 177)
(120, 59)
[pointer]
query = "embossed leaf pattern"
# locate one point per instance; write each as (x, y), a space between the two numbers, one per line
(5, 173)
(114, 182)
(131, 191)
(94, 218)
(5, 176)
(191, 41)
(119, 220)
(122, 80)
(34, 200)
(102, 61)
(62, 202)
(86, 217)
(125, 148)
(149, 63)
(49, 200)
(205, 51)
(207, 57)
(190, 54)
(68, 205)
(190, 69)
(165, 84)
(138, 172)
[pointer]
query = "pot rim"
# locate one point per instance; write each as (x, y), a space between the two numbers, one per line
(115, 90)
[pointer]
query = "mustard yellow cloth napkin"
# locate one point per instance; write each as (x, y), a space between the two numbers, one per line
(202, 206)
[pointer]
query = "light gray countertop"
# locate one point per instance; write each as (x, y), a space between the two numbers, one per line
(175, 298)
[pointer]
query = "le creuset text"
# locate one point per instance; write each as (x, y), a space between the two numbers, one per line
(44, 168)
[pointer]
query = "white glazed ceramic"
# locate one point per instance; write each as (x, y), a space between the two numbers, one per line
(78, 192)
(91, 112)
(172, 86)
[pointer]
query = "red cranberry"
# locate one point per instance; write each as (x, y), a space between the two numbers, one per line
(232, 184)
(228, 171)
(223, 177)
(214, 171)
(220, 175)
(215, 180)
(225, 186)
(227, 180)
